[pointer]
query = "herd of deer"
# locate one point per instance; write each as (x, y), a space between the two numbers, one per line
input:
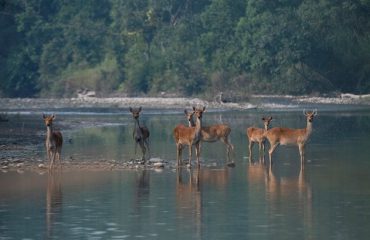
(195, 133)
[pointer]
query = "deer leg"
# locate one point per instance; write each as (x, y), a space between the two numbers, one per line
(59, 155)
(229, 147)
(260, 151)
(263, 152)
(143, 149)
(147, 146)
(197, 153)
(250, 146)
(53, 153)
(57, 158)
(301, 153)
(190, 154)
(271, 150)
(48, 156)
(178, 153)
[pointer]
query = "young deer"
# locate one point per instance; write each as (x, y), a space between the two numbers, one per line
(258, 135)
(189, 136)
(189, 118)
(214, 133)
(288, 136)
(140, 133)
(54, 141)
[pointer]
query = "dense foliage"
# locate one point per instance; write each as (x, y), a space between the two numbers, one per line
(184, 47)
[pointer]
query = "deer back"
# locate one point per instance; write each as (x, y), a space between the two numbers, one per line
(185, 135)
(215, 132)
(255, 134)
(58, 138)
(286, 136)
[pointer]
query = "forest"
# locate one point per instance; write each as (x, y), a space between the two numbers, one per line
(54, 48)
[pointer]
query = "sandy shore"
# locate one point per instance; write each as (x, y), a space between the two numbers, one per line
(254, 101)
(117, 102)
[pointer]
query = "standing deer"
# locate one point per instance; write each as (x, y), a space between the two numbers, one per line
(54, 141)
(288, 136)
(214, 133)
(191, 123)
(258, 135)
(189, 136)
(140, 133)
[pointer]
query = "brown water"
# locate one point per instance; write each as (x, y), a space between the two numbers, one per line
(329, 200)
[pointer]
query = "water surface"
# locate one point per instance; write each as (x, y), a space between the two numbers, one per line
(329, 200)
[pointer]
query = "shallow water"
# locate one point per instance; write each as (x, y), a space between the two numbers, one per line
(329, 200)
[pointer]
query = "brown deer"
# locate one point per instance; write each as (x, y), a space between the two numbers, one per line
(191, 123)
(140, 133)
(214, 133)
(189, 136)
(288, 136)
(258, 135)
(54, 141)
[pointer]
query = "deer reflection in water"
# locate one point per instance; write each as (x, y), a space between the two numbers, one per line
(142, 187)
(283, 193)
(189, 193)
(54, 201)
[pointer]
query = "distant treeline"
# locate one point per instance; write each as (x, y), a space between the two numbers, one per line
(183, 47)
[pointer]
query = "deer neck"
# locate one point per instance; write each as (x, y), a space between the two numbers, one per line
(137, 123)
(309, 128)
(49, 135)
(137, 128)
(198, 127)
(49, 132)
(191, 123)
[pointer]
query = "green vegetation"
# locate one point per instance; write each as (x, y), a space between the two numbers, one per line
(183, 47)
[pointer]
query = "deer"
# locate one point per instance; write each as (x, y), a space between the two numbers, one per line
(191, 123)
(140, 133)
(287, 136)
(214, 133)
(54, 141)
(189, 136)
(258, 135)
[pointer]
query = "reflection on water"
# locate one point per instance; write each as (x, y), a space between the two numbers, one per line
(189, 199)
(285, 196)
(328, 200)
(54, 201)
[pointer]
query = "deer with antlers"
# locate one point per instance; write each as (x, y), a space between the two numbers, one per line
(54, 141)
(288, 136)
(214, 133)
(258, 135)
(189, 136)
(140, 133)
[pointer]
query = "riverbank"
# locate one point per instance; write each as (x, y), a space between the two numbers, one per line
(254, 101)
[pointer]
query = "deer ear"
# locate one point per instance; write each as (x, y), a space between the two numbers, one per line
(270, 118)
(140, 109)
(43, 116)
(53, 116)
(130, 108)
(193, 108)
(263, 119)
(204, 108)
(315, 112)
